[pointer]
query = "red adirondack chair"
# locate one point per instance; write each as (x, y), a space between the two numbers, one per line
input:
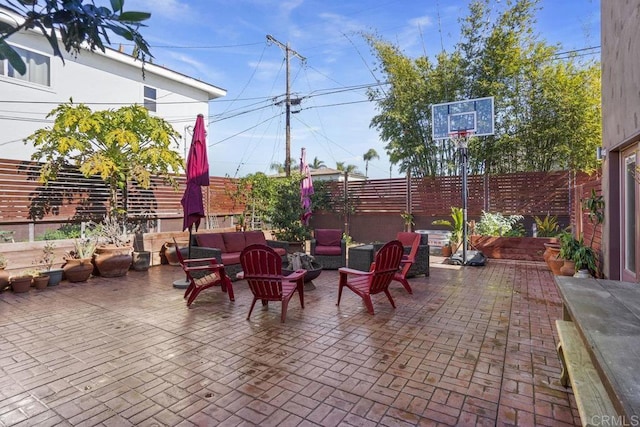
(407, 239)
(377, 279)
(203, 273)
(262, 269)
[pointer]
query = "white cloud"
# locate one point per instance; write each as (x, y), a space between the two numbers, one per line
(174, 10)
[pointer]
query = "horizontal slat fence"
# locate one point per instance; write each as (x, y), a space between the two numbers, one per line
(73, 197)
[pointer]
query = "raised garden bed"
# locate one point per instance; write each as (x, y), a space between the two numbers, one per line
(518, 248)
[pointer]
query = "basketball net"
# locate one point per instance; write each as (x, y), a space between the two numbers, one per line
(460, 138)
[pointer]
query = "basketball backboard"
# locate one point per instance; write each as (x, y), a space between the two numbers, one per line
(472, 115)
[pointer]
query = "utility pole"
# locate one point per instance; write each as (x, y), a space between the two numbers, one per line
(288, 52)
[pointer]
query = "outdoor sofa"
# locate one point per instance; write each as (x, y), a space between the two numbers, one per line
(226, 247)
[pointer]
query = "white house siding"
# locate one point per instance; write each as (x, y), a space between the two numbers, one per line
(101, 81)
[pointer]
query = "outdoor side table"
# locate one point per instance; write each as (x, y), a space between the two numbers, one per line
(361, 257)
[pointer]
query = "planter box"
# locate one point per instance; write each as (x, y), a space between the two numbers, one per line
(518, 248)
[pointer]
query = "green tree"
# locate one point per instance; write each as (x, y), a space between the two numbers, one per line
(317, 163)
(346, 168)
(547, 109)
(75, 22)
(118, 145)
(286, 210)
(367, 157)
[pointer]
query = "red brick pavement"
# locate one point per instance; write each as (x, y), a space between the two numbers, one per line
(472, 346)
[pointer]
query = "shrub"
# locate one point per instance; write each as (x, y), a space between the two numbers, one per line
(495, 224)
(547, 227)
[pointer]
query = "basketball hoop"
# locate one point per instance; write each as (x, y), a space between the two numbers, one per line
(460, 138)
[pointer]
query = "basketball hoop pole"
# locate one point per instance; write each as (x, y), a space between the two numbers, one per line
(461, 140)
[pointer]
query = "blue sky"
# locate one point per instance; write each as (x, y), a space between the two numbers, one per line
(224, 43)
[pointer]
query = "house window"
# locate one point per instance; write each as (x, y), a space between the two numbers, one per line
(38, 69)
(150, 98)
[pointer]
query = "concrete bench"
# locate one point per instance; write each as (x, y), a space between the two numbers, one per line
(599, 347)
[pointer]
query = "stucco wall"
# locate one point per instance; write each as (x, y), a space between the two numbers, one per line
(620, 71)
(90, 78)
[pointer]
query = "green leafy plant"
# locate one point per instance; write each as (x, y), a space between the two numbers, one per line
(456, 225)
(496, 224)
(75, 23)
(568, 245)
(66, 231)
(585, 258)
(83, 248)
(286, 211)
(3, 261)
(112, 231)
(407, 218)
(48, 256)
(117, 145)
(547, 227)
(594, 205)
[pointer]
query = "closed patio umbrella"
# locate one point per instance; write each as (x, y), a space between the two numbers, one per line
(197, 177)
(306, 188)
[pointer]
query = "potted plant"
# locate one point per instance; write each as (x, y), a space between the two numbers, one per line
(585, 259)
(141, 257)
(408, 219)
(113, 254)
(46, 260)
(4, 275)
(568, 247)
(240, 221)
(21, 281)
(456, 225)
(78, 266)
(286, 213)
(39, 279)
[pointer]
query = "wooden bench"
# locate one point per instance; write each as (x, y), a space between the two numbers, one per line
(599, 347)
(591, 396)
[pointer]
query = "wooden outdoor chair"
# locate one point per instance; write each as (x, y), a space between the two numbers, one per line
(262, 269)
(203, 273)
(377, 279)
(412, 240)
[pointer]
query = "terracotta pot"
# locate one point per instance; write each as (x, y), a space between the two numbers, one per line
(555, 265)
(4, 279)
(446, 251)
(21, 284)
(568, 268)
(169, 250)
(551, 251)
(40, 282)
(78, 270)
(113, 261)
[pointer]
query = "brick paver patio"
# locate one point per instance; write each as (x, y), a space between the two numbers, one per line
(471, 346)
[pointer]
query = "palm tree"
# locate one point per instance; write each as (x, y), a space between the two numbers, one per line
(279, 167)
(348, 168)
(317, 164)
(369, 155)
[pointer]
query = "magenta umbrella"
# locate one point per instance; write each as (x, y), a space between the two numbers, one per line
(306, 188)
(197, 177)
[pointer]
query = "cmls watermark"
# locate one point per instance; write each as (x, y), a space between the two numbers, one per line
(614, 421)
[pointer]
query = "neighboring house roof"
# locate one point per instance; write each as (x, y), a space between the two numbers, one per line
(213, 91)
(328, 174)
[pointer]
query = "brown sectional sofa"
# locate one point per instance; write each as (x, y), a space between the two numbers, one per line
(226, 247)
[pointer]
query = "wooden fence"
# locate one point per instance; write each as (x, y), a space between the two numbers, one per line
(27, 207)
